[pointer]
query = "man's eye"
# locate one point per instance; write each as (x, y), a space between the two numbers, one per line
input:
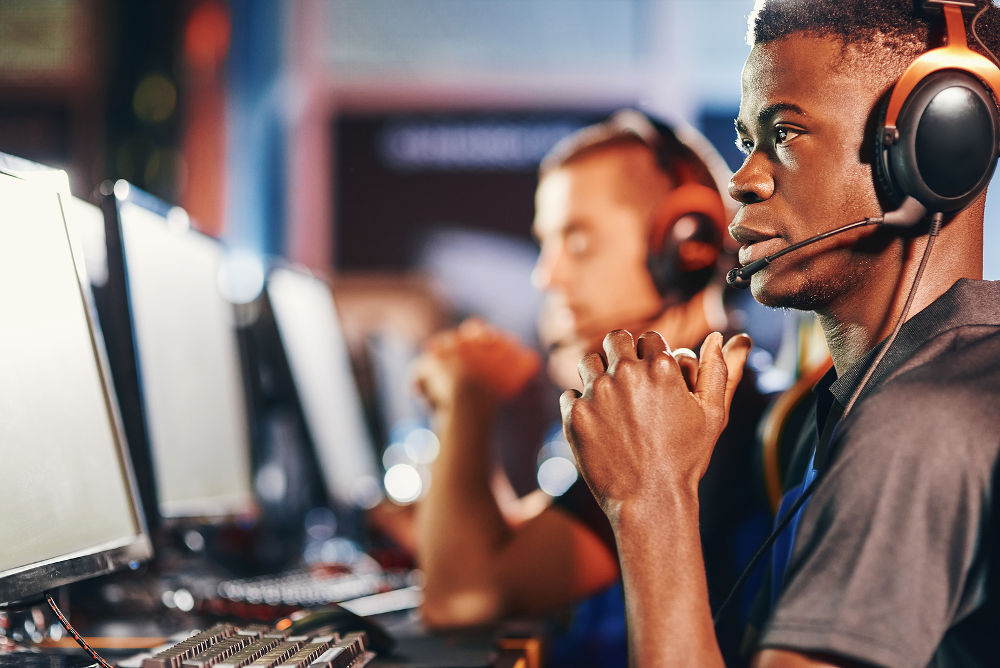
(783, 135)
(577, 243)
(745, 145)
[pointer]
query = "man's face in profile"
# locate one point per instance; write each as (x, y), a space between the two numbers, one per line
(804, 110)
(593, 239)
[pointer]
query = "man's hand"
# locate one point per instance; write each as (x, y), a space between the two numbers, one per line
(646, 425)
(474, 357)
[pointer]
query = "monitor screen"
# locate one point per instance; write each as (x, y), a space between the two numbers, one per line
(321, 371)
(187, 362)
(67, 495)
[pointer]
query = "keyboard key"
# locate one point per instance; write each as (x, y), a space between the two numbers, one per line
(335, 657)
(251, 652)
(277, 654)
(174, 656)
(217, 652)
(308, 653)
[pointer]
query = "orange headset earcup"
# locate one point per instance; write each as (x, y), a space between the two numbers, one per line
(945, 144)
(938, 134)
(685, 241)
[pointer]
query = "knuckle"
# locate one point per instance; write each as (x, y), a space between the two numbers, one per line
(663, 365)
(602, 384)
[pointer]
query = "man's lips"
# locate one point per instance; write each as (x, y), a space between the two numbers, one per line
(755, 244)
(754, 251)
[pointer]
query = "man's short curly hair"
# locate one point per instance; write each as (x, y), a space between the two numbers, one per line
(897, 24)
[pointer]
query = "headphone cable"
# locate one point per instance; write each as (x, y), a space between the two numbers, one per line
(975, 34)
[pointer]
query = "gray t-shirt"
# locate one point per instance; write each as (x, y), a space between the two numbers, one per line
(894, 561)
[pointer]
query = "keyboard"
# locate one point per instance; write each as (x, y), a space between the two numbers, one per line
(306, 588)
(229, 646)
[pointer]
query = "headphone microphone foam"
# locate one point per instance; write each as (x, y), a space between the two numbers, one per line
(938, 137)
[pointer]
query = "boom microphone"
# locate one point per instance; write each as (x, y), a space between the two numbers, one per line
(907, 215)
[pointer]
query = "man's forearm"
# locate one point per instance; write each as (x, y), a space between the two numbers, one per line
(460, 526)
(666, 595)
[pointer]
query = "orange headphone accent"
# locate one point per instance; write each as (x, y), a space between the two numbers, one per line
(685, 200)
(955, 54)
(686, 235)
(939, 130)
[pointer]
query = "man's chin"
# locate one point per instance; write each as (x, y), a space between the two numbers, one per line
(778, 294)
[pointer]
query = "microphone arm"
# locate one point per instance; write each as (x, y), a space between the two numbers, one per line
(907, 215)
(739, 277)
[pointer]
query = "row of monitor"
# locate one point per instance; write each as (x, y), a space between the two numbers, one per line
(122, 377)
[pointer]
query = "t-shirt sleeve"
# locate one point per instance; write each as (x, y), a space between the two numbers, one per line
(883, 560)
(580, 504)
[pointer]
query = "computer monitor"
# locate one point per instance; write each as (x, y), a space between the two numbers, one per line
(189, 407)
(320, 366)
(68, 498)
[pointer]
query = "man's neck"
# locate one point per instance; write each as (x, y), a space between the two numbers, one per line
(855, 325)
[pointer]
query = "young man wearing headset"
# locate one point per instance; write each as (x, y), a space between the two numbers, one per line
(892, 559)
(630, 223)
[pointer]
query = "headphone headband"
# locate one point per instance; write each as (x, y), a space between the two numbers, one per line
(956, 54)
(939, 129)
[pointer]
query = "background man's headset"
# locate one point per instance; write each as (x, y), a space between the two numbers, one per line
(936, 149)
(689, 223)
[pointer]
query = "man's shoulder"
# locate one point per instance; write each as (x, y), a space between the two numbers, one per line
(945, 404)
(959, 368)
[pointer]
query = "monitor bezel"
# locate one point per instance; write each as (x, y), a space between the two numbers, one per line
(30, 582)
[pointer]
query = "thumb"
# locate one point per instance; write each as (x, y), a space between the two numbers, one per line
(712, 375)
(735, 353)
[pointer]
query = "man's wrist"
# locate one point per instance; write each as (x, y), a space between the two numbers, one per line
(678, 501)
(466, 398)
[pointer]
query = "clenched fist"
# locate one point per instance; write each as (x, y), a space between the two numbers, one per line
(646, 424)
(474, 357)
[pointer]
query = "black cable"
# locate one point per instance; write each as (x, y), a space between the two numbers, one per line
(976, 35)
(936, 222)
(76, 636)
(763, 548)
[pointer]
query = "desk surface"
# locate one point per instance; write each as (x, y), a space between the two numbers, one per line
(416, 647)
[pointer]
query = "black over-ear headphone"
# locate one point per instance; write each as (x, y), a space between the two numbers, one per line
(689, 223)
(939, 131)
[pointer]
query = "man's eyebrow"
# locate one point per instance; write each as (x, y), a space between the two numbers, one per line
(768, 112)
(564, 230)
(765, 114)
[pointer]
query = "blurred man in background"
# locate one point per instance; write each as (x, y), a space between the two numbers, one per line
(630, 221)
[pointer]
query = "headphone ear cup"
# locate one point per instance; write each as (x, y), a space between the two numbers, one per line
(685, 241)
(883, 178)
(945, 146)
(687, 257)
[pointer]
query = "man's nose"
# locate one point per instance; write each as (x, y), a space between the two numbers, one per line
(548, 270)
(753, 181)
